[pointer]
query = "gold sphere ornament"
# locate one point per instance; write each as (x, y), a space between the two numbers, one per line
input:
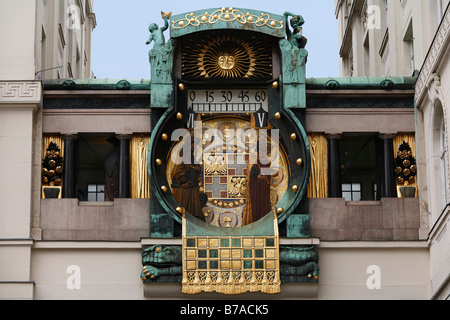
(275, 85)
(280, 210)
(295, 188)
(277, 116)
(165, 137)
(299, 161)
(179, 116)
(164, 189)
(181, 87)
(293, 137)
(159, 162)
(180, 210)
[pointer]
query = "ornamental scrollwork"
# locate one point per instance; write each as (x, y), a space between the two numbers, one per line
(228, 15)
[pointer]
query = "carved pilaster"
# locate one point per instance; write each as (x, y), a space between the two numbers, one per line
(334, 166)
(124, 166)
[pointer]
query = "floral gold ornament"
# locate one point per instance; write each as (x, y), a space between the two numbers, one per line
(52, 166)
(405, 172)
(227, 15)
(405, 165)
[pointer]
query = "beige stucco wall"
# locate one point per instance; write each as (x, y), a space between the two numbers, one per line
(432, 93)
(112, 271)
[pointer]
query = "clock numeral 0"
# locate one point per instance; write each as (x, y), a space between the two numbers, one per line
(192, 96)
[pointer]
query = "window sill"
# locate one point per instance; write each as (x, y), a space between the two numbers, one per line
(363, 203)
(96, 204)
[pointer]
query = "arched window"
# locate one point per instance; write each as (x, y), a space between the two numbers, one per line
(440, 156)
(444, 162)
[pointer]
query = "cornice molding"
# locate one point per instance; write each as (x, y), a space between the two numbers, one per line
(434, 58)
(23, 93)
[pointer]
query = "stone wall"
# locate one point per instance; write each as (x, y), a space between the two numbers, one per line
(389, 219)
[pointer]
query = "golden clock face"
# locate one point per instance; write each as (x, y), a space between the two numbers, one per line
(228, 55)
(226, 168)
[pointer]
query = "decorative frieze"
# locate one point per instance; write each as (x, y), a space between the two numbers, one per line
(434, 57)
(20, 92)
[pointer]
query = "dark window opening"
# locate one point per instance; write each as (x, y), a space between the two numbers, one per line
(361, 160)
(97, 167)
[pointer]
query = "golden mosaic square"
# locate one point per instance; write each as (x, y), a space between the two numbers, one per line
(202, 243)
(213, 243)
(225, 254)
(225, 265)
(191, 254)
(247, 243)
(236, 254)
(259, 243)
(270, 253)
(271, 264)
(191, 265)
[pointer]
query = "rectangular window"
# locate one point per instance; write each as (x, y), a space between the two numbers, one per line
(351, 191)
(97, 167)
(96, 192)
(361, 166)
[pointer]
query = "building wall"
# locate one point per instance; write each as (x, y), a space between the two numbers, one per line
(17, 20)
(111, 271)
(386, 38)
(63, 39)
(432, 101)
(23, 24)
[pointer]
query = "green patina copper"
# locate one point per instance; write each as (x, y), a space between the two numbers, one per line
(385, 83)
(161, 58)
(97, 84)
(164, 264)
(228, 18)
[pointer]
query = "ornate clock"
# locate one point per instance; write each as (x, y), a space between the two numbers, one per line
(228, 160)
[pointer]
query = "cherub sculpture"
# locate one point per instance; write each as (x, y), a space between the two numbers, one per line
(156, 33)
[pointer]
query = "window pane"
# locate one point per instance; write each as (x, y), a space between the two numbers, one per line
(347, 196)
(92, 197)
(346, 187)
(92, 188)
(356, 187)
(101, 188)
(356, 196)
(100, 197)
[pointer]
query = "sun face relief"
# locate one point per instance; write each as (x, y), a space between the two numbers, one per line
(229, 56)
(226, 62)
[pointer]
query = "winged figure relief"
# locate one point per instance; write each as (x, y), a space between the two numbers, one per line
(215, 165)
(237, 187)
